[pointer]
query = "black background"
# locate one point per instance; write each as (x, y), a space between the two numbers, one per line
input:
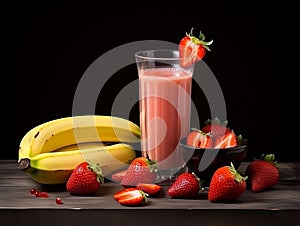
(51, 44)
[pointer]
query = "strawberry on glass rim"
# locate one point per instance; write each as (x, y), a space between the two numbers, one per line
(192, 49)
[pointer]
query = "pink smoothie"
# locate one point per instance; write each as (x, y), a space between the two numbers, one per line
(165, 104)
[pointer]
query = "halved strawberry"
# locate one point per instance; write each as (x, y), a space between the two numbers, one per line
(150, 189)
(192, 49)
(227, 141)
(130, 196)
(199, 139)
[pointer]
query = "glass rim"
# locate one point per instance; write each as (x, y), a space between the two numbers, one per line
(138, 54)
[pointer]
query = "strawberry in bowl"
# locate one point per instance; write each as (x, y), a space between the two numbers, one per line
(211, 147)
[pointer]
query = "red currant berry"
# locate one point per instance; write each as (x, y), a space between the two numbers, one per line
(44, 194)
(32, 191)
(58, 201)
(38, 194)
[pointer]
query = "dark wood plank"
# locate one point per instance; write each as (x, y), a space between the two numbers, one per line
(283, 200)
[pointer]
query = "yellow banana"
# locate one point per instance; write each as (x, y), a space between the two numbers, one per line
(63, 132)
(50, 151)
(26, 142)
(56, 167)
(85, 145)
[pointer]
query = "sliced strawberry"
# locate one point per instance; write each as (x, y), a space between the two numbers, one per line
(192, 49)
(118, 195)
(130, 196)
(227, 141)
(199, 139)
(118, 176)
(150, 189)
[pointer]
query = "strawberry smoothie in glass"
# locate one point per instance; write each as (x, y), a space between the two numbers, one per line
(165, 106)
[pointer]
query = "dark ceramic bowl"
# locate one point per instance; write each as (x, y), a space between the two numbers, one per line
(204, 162)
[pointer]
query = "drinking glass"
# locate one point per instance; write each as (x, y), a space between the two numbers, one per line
(165, 107)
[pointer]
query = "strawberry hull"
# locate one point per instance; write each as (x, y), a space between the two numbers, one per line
(204, 162)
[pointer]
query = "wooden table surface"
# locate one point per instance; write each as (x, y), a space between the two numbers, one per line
(277, 206)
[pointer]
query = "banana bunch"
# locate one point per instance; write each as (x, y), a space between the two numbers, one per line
(50, 151)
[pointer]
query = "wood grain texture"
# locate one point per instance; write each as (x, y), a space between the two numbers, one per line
(277, 205)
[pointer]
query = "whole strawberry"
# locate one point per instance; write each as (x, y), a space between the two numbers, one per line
(262, 173)
(140, 170)
(226, 185)
(216, 128)
(186, 185)
(85, 179)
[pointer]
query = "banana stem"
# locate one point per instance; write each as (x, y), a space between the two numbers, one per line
(24, 164)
